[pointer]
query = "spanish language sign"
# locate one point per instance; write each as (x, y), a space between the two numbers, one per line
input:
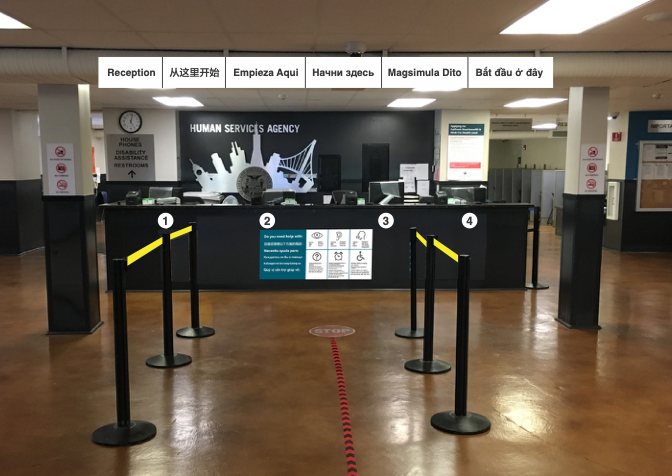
(130, 158)
(421, 72)
(315, 254)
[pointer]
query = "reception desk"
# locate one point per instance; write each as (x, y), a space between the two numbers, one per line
(232, 245)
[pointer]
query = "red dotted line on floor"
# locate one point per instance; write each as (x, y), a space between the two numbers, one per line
(345, 412)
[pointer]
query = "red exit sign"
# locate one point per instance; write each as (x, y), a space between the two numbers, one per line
(616, 136)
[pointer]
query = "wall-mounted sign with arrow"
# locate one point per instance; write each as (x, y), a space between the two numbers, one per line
(130, 155)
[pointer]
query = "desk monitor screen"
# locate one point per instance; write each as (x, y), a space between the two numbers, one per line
(383, 193)
(344, 197)
(470, 194)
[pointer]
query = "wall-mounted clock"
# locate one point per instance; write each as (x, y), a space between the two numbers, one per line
(130, 121)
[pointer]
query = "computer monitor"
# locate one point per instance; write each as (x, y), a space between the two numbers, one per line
(166, 192)
(470, 194)
(383, 193)
(277, 194)
(344, 197)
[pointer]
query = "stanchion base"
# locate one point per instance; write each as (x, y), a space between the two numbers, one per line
(168, 361)
(427, 366)
(195, 332)
(536, 286)
(408, 333)
(112, 435)
(471, 424)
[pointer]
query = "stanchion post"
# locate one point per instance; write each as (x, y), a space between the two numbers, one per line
(124, 432)
(428, 365)
(169, 359)
(196, 330)
(412, 332)
(460, 421)
(535, 284)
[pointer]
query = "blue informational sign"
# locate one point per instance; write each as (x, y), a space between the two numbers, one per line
(316, 254)
(282, 254)
(466, 129)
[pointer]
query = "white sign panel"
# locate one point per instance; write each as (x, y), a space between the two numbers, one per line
(329, 72)
(661, 126)
(194, 72)
(466, 143)
(61, 169)
(591, 177)
(429, 73)
(130, 72)
(501, 72)
(265, 72)
(130, 158)
(339, 254)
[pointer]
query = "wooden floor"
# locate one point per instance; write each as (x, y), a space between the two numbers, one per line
(261, 397)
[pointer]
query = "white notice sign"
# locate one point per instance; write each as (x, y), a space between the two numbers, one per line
(61, 169)
(339, 254)
(591, 176)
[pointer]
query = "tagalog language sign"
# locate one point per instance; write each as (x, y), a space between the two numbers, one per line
(316, 254)
(61, 169)
(426, 72)
(130, 158)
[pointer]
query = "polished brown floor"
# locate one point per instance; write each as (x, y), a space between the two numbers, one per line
(260, 397)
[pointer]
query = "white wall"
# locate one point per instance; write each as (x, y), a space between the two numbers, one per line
(7, 149)
(445, 117)
(19, 145)
(551, 152)
(163, 124)
(26, 145)
(504, 153)
(616, 151)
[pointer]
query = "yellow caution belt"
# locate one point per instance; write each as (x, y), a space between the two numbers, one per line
(153, 245)
(440, 246)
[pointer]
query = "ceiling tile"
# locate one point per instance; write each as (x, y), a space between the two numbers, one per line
(66, 15)
(165, 15)
(262, 16)
(272, 41)
(188, 41)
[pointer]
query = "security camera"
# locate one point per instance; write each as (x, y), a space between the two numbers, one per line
(355, 48)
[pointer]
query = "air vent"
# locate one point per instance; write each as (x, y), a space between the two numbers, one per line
(559, 134)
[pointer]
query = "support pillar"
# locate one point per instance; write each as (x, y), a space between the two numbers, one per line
(69, 209)
(583, 213)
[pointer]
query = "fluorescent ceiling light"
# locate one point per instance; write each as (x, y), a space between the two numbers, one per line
(569, 17)
(178, 102)
(411, 102)
(548, 126)
(535, 102)
(435, 90)
(8, 23)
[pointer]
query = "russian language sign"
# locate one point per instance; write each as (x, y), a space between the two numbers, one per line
(421, 72)
(315, 254)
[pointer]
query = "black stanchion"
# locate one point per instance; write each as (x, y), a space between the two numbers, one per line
(124, 432)
(428, 365)
(196, 330)
(460, 421)
(412, 332)
(535, 253)
(169, 359)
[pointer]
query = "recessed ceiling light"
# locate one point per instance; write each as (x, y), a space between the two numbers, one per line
(548, 126)
(665, 16)
(435, 90)
(8, 23)
(570, 17)
(535, 102)
(178, 102)
(411, 102)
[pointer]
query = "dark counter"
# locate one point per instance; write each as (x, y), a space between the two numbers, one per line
(229, 243)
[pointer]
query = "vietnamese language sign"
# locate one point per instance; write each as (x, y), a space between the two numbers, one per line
(315, 254)
(422, 72)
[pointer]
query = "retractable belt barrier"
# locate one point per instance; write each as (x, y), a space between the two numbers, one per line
(535, 284)
(459, 421)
